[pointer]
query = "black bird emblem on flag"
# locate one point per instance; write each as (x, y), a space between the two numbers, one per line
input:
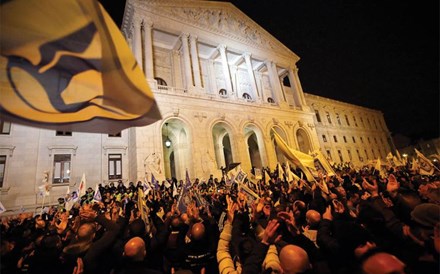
(65, 65)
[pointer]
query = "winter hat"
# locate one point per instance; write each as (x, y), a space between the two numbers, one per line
(426, 214)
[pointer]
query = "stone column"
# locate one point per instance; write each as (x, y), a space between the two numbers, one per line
(212, 77)
(195, 61)
(234, 80)
(274, 81)
(137, 43)
(148, 50)
(247, 58)
(187, 61)
(222, 49)
(295, 94)
(177, 73)
(298, 86)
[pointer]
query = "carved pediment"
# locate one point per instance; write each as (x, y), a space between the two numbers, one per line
(218, 17)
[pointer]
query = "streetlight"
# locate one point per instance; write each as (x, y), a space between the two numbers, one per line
(167, 140)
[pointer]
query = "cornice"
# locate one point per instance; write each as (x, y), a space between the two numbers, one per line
(221, 18)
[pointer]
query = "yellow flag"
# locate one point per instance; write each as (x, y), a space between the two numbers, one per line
(379, 168)
(266, 178)
(280, 172)
(65, 65)
(297, 157)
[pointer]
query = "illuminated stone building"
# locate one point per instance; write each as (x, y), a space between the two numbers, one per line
(222, 84)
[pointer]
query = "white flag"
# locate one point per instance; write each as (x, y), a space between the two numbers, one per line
(175, 193)
(44, 189)
(82, 186)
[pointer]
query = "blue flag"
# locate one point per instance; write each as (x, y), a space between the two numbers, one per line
(184, 200)
(154, 182)
(187, 180)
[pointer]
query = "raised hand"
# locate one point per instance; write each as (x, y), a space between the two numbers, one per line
(328, 214)
(393, 186)
(287, 217)
(372, 188)
(270, 235)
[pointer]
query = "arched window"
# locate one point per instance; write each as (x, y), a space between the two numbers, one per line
(160, 81)
(247, 96)
(270, 100)
(222, 92)
(286, 81)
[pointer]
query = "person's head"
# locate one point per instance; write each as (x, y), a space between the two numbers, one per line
(175, 223)
(197, 231)
(52, 241)
(294, 259)
(382, 263)
(135, 250)
(313, 218)
(137, 228)
(426, 215)
(40, 223)
(86, 232)
(184, 218)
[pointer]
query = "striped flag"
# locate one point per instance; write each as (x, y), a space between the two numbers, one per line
(78, 77)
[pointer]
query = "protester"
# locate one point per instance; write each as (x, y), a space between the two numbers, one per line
(356, 221)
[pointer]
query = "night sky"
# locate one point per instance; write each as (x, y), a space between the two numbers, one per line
(378, 54)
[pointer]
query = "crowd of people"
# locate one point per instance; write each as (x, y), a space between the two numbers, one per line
(353, 222)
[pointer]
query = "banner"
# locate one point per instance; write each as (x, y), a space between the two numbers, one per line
(240, 176)
(425, 165)
(322, 164)
(258, 174)
(71, 71)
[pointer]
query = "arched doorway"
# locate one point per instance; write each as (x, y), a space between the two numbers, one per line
(176, 152)
(254, 141)
(303, 141)
(222, 144)
(254, 151)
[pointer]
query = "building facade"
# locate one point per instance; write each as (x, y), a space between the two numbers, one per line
(222, 84)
